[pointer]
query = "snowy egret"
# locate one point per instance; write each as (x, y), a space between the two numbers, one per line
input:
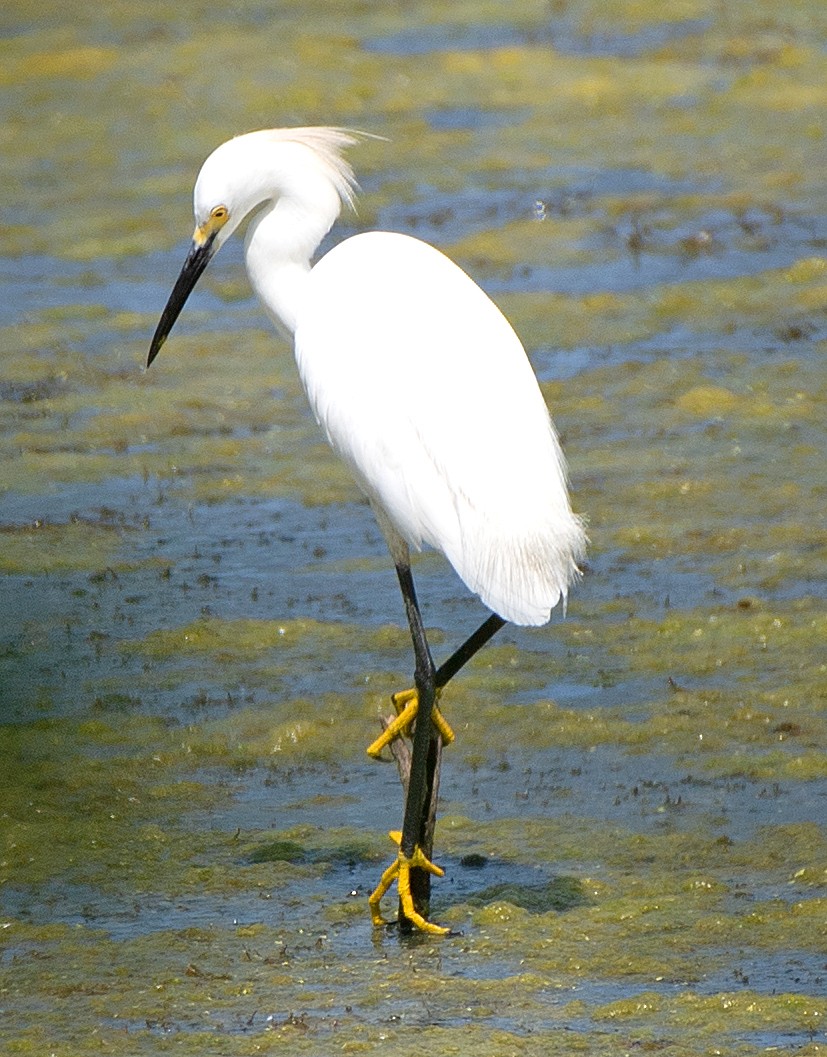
(423, 388)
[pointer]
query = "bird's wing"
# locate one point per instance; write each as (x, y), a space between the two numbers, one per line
(424, 389)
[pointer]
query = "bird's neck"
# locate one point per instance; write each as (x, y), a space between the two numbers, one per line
(280, 244)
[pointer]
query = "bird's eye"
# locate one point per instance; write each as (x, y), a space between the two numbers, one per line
(219, 213)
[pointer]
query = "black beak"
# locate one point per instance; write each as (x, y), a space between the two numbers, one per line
(197, 260)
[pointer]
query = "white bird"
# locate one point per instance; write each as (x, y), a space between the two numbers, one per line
(421, 386)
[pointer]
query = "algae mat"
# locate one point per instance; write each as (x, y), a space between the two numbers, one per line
(200, 623)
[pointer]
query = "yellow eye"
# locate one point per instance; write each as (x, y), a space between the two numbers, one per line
(218, 217)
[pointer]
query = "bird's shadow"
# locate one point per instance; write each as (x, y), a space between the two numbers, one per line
(558, 893)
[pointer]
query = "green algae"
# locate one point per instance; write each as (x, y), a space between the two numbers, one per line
(748, 1010)
(317, 845)
(44, 549)
(223, 639)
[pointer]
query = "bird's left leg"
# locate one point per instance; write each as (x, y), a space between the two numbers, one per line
(413, 868)
(406, 702)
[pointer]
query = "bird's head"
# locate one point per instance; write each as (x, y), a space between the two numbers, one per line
(305, 165)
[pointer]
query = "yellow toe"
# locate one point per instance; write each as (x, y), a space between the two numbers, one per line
(400, 871)
(406, 703)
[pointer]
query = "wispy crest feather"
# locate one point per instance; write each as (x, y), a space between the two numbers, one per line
(328, 143)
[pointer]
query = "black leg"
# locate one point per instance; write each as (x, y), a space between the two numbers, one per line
(472, 645)
(423, 779)
(423, 768)
(424, 753)
(425, 680)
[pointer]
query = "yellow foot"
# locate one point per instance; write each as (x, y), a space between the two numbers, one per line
(406, 703)
(400, 871)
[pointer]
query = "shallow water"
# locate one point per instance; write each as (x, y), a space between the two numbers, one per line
(201, 624)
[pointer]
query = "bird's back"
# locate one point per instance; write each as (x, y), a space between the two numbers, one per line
(424, 389)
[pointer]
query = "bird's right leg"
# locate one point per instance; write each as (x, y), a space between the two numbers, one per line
(406, 702)
(412, 869)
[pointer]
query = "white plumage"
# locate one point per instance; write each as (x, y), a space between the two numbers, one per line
(424, 389)
(416, 377)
